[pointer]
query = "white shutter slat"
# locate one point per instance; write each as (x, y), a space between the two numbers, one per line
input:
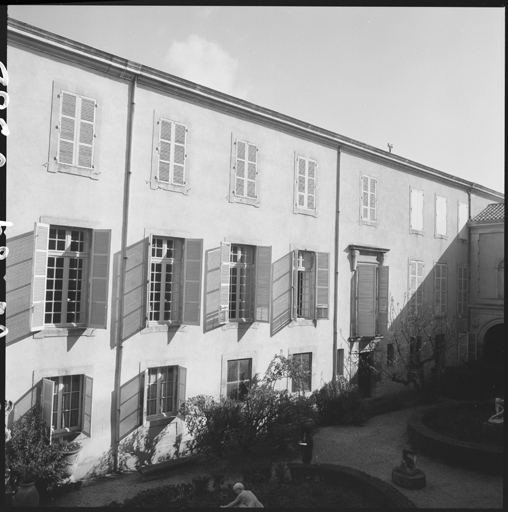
(67, 135)
(383, 300)
(40, 265)
(322, 285)
(86, 132)
(87, 406)
(130, 406)
(47, 391)
(282, 290)
(193, 260)
(366, 300)
(263, 281)
(225, 249)
(99, 279)
(213, 286)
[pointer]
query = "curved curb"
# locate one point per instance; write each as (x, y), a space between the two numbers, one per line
(477, 455)
(387, 495)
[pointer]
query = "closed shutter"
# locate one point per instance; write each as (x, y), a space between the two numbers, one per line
(179, 154)
(99, 279)
(441, 215)
(193, 259)
(463, 217)
(225, 249)
(182, 385)
(416, 210)
(130, 405)
(213, 286)
(383, 300)
(47, 391)
(471, 346)
(86, 132)
(87, 406)
(322, 285)
(40, 265)
(263, 284)
(67, 132)
(135, 308)
(282, 293)
(340, 361)
(366, 300)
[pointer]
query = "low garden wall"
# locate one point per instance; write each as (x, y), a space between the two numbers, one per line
(386, 494)
(479, 456)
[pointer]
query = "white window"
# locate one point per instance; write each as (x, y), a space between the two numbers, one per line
(174, 285)
(440, 289)
(169, 155)
(463, 217)
(164, 391)
(416, 211)
(305, 186)
(70, 279)
(305, 289)
(241, 283)
(441, 216)
(416, 286)
(239, 374)
(304, 384)
(369, 200)
(244, 179)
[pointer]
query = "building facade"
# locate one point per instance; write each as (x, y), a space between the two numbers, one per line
(169, 240)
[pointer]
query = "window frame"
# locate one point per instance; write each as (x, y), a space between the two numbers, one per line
(58, 393)
(239, 381)
(158, 118)
(297, 208)
(81, 92)
(250, 271)
(418, 292)
(244, 199)
(440, 304)
(366, 220)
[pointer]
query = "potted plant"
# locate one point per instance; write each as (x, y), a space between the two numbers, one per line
(70, 452)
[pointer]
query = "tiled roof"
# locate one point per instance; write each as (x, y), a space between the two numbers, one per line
(493, 211)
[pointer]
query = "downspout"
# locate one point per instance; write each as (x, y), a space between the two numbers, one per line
(469, 248)
(336, 270)
(123, 260)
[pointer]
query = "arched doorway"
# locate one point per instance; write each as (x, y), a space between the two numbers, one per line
(493, 345)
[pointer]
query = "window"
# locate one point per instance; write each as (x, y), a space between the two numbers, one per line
(75, 121)
(70, 277)
(239, 378)
(369, 200)
(500, 280)
(164, 391)
(305, 361)
(415, 349)
(416, 211)
(169, 156)
(463, 218)
(441, 217)
(390, 354)
(174, 287)
(440, 289)
(340, 361)
(462, 291)
(305, 186)
(371, 299)
(244, 182)
(66, 403)
(305, 279)
(237, 284)
(416, 286)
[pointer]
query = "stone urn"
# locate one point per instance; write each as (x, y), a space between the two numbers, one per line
(27, 495)
(70, 454)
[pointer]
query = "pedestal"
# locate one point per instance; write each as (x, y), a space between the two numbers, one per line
(492, 433)
(409, 479)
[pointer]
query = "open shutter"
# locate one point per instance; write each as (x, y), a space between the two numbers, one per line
(164, 149)
(365, 197)
(471, 346)
(225, 249)
(322, 285)
(282, 293)
(240, 170)
(87, 406)
(382, 318)
(311, 185)
(301, 181)
(86, 132)
(40, 265)
(179, 154)
(193, 258)
(263, 284)
(67, 131)
(182, 385)
(99, 279)
(144, 386)
(130, 405)
(47, 391)
(365, 300)
(212, 288)
(372, 199)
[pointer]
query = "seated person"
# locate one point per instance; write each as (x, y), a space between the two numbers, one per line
(245, 499)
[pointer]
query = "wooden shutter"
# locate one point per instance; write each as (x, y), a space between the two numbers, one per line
(301, 181)
(471, 346)
(311, 184)
(365, 300)
(225, 249)
(164, 150)
(130, 405)
(99, 279)
(87, 406)
(47, 391)
(179, 154)
(252, 171)
(282, 293)
(340, 361)
(263, 284)
(416, 210)
(193, 259)
(240, 169)
(86, 132)
(463, 217)
(383, 300)
(365, 197)
(213, 286)
(40, 266)
(182, 385)
(67, 128)
(441, 215)
(322, 285)
(372, 199)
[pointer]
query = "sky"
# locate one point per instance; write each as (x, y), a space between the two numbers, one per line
(429, 81)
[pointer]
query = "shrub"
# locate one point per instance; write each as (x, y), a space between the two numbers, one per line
(469, 382)
(339, 402)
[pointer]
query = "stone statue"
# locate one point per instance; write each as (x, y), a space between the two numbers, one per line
(498, 417)
(408, 462)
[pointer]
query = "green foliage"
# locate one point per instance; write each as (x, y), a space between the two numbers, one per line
(69, 446)
(286, 367)
(339, 402)
(31, 455)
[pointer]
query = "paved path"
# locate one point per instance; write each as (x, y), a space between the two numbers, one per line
(375, 448)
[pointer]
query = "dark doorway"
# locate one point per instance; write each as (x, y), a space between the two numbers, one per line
(364, 374)
(493, 345)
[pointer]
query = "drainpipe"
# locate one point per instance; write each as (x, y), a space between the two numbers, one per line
(469, 247)
(336, 270)
(123, 260)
